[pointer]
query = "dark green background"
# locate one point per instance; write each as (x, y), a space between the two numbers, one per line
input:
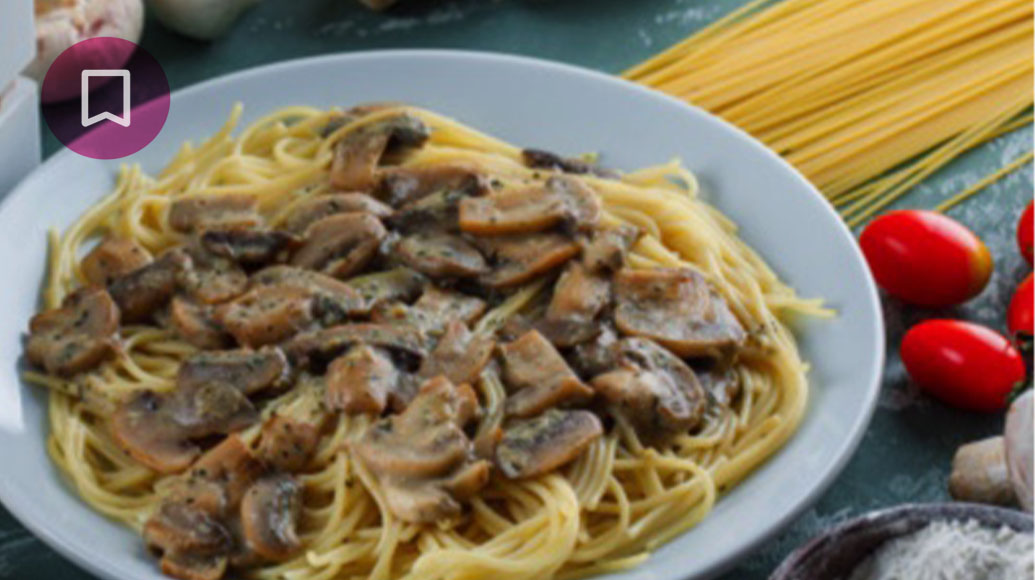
(906, 453)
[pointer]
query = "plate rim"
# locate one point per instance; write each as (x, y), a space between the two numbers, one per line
(78, 553)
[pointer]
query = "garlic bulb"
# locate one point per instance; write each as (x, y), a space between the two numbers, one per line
(62, 23)
(203, 19)
(1019, 436)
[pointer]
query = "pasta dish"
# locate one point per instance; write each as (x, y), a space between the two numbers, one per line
(376, 343)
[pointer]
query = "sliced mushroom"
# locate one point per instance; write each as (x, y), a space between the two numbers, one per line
(606, 247)
(145, 428)
(179, 528)
(578, 297)
(208, 495)
(521, 258)
(76, 337)
(360, 152)
(361, 380)
(318, 207)
(339, 120)
(232, 466)
(388, 286)
(203, 212)
(269, 516)
(433, 311)
(422, 458)
(678, 309)
(112, 258)
(211, 408)
(188, 566)
(211, 278)
(535, 446)
(532, 209)
(653, 389)
(468, 480)
(460, 355)
(323, 345)
(247, 247)
(596, 356)
(435, 212)
(144, 290)
(404, 185)
(539, 159)
(189, 528)
(441, 255)
(286, 444)
(196, 323)
(537, 377)
(333, 300)
(159, 430)
(267, 314)
(446, 305)
(249, 371)
(425, 440)
(340, 245)
(722, 383)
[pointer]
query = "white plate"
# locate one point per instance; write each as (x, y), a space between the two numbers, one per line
(527, 102)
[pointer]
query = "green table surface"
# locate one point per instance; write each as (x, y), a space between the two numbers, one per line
(906, 453)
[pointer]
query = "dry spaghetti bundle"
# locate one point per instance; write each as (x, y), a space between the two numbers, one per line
(852, 90)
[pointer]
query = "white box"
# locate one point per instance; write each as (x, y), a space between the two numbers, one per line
(19, 132)
(17, 38)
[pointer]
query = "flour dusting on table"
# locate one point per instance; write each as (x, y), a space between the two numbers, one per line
(952, 551)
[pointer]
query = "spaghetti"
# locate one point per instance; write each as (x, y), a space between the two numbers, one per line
(605, 511)
(850, 90)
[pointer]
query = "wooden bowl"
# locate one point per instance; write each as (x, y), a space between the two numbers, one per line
(835, 553)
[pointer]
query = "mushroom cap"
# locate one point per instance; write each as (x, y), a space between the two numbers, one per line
(269, 516)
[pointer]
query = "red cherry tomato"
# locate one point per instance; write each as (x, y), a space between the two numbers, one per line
(1025, 234)
(1019, 318)
(964, 364)
(926, 258)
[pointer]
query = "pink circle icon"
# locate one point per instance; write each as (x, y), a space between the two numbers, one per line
(105, 98)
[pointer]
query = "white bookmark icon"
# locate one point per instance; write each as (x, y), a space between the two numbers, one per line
(122, 119)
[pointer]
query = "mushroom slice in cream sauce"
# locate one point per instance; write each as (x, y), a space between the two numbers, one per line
(359, 154)
(578, 298)
(199, 213)
(249, 371)
(531, 209)
(361, 380)
(521, 258)
(678, 309)
(538, 377)
(77, 336)
(318, 207)
(422, 458)
(267, 315)
(196, 323)
(111, 258)
(531, 447)
(405, 185)
(141, 292)
(653, 389)
(340, 245)
(441, 255)
(247, 247)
